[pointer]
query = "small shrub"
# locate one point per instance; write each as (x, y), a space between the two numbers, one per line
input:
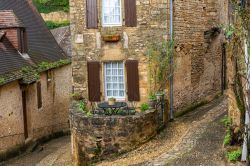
(53, 25)
(2, 80)
(227, 139)
(152, 97)
(82, 106)
(234, 155)
(47, 6)
(226, 121)
(144, 107)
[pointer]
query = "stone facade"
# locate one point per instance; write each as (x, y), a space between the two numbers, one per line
(51, 118)
(101, 136)
(197, 59)
(55, 16)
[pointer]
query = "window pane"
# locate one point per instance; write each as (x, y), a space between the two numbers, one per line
(108, 79)
(108, 72)
(109, 93)
(120, 71)
(120, 79)
(111, 11)
(114, 72)
(121, 93)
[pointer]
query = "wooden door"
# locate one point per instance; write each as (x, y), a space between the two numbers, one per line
(25, 114)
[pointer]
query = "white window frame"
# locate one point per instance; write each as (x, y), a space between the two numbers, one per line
(111, 24)
(119, 98)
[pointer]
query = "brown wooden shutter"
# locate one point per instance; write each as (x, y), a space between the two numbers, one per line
(94, 84)
(39, 95)
(92, 18)
(132, 80)
(130, 13)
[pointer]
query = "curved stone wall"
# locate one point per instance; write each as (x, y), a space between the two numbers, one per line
(98, 136)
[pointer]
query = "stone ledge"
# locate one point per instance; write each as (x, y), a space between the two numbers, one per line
(100, 136)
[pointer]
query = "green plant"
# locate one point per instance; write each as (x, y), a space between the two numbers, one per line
(47, 6)
(159, 54)
(226, 121)
(82, 106)
(2, 80)
(53, 25)
(144, 107)
(152, 97)
(234, 155)
(227, 139)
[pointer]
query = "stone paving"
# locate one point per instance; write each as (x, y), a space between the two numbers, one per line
(194, 139)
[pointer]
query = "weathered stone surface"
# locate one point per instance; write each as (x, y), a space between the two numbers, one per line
(105, 135)
(197, 60)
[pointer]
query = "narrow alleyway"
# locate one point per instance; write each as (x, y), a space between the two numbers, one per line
(194, 139)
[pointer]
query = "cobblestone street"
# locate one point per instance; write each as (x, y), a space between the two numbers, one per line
(194, 139)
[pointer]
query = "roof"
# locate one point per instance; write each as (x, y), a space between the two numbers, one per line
(42, 46)
(9, 19)
(63, 38)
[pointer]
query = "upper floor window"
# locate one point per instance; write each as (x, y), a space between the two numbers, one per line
(111, 13)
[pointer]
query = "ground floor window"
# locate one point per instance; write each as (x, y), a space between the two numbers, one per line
(114, 80)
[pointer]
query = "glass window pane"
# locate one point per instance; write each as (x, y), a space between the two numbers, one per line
(115, 86)
(115, 92)
(114, 79)
(108, 79)
(121, 86)
(120, 71)
(120, 79)
(109, 86)
(108, 72)
(109, 93)
(121, 93)
(114, 72)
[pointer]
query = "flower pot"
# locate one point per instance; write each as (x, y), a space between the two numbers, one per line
(111, 38)
(111, 101)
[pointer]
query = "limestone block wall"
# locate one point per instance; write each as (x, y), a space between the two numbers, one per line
(197, 60)
(11, 116)
(100, 136)
(51, 118)
(56, 16)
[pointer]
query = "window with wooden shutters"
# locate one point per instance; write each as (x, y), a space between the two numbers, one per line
(130, 13)
(92, 16)
(94, 87)
(39, 95)
(132, 80)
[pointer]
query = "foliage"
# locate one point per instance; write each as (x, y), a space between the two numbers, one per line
(53, 25)
(144, 107)
(152, 97)
(2, 80)
(227, 139)
(226, 121)
(82, 106)
(47, 6)
(234, 155)
(159, 54)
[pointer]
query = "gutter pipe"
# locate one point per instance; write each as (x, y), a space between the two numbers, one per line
(171, 63)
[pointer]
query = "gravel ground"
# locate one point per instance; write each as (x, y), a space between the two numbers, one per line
(194, 139)
(177, 139)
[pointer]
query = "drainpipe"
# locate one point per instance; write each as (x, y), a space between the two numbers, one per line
(171, 94)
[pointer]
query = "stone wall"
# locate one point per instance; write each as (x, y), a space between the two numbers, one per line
(11, 116)
(198, 60)
(50, 119)
(55, 16)
(100, 136)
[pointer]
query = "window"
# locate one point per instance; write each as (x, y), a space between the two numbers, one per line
(114, 80)
(39, 95)
(111, 14)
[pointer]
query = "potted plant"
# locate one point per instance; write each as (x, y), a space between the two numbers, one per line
(111, 36)
(152, 100)
(111, 101)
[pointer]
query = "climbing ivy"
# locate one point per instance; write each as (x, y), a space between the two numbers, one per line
(2, 81)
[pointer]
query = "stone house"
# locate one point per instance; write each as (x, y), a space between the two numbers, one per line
(198, 48)
(35, 78)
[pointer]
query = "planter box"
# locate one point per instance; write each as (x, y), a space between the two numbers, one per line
(111, 38)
